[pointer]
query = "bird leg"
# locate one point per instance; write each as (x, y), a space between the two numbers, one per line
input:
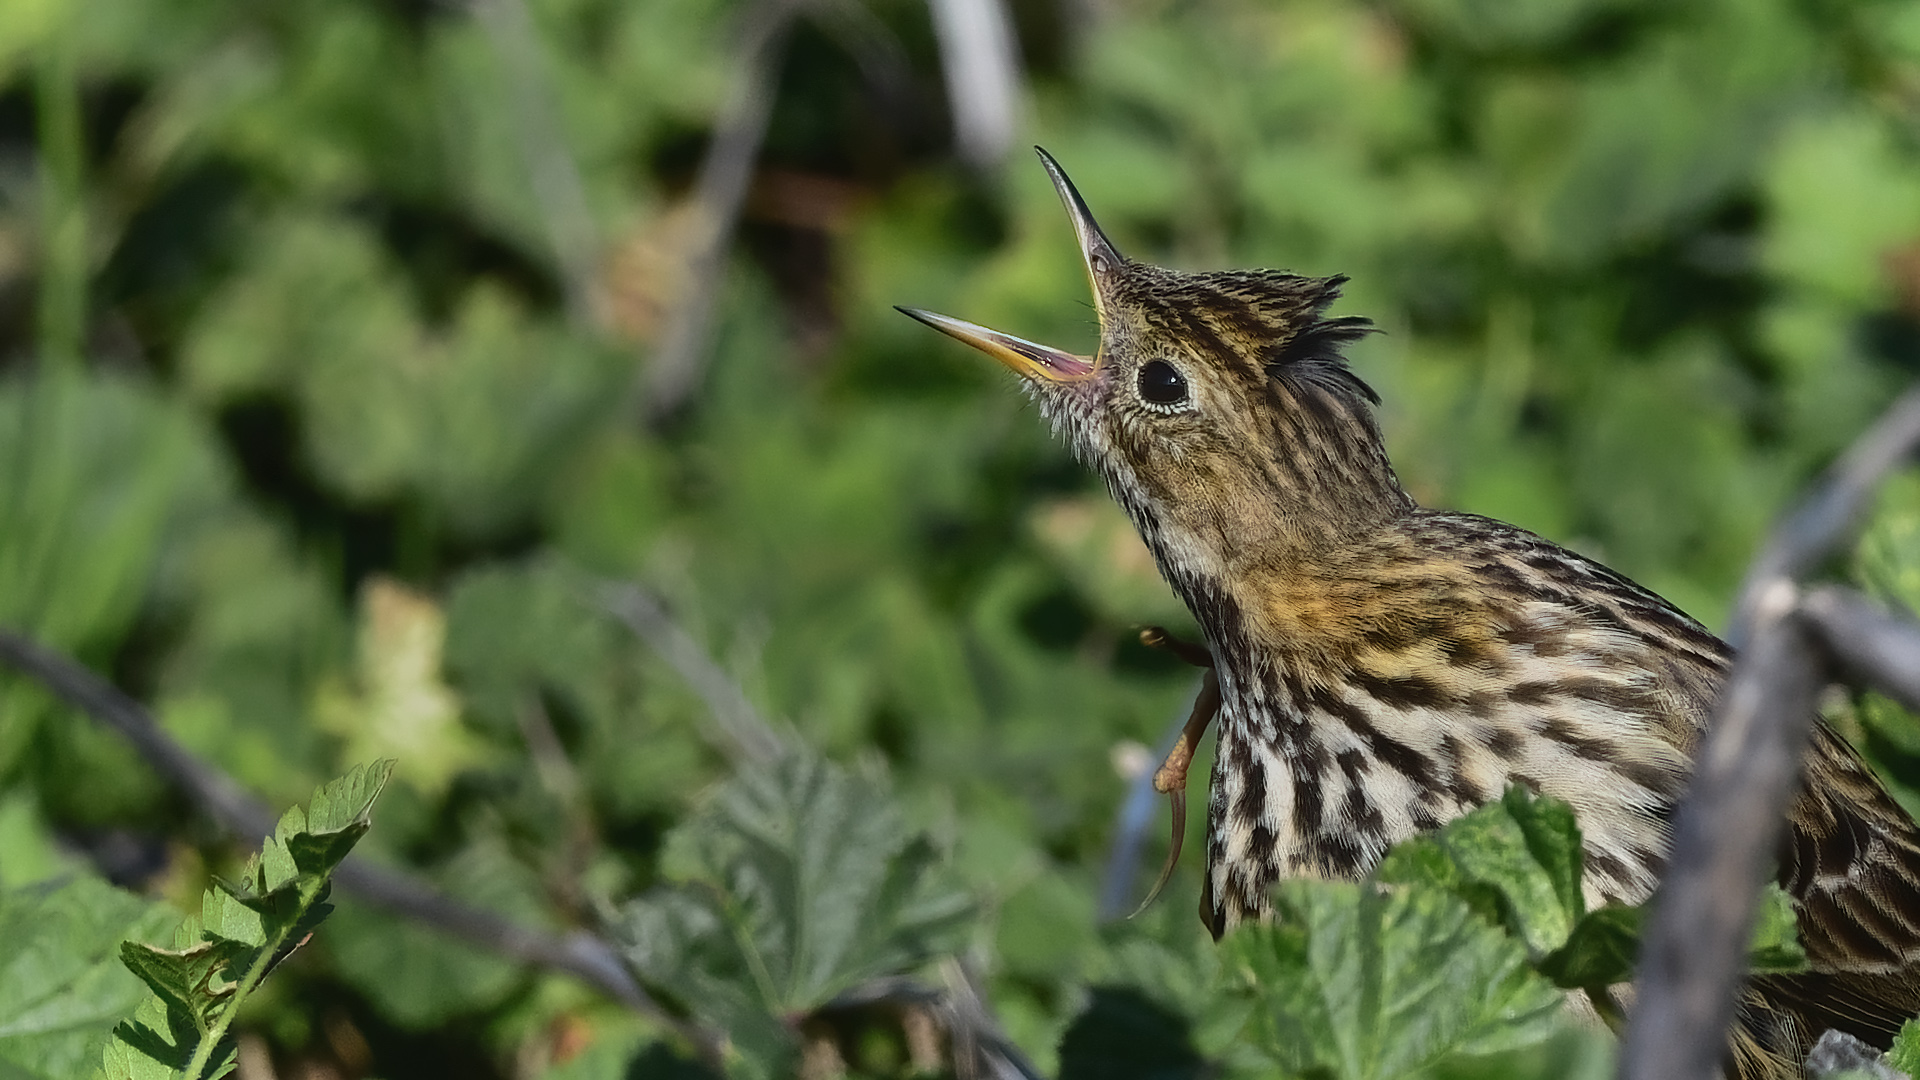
(1171, 779)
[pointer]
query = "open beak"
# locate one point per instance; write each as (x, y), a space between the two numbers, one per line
(1025, 357)
(1034, 361)
(1095, 249)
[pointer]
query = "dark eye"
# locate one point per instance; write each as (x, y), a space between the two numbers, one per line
(1161, 384)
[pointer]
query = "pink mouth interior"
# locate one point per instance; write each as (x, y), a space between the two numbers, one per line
(1053, 359)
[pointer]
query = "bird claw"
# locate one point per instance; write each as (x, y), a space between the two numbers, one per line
(1171, 779)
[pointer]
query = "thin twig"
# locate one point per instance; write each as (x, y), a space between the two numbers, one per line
(223, 800)
(1726, 831)
(745, 733)
(241, 815)
(719, 191)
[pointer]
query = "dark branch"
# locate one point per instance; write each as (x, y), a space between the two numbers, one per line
(216, 794)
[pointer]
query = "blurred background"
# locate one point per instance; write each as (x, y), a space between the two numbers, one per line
(348, 349)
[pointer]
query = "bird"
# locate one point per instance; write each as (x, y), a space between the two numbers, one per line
(1380, 668)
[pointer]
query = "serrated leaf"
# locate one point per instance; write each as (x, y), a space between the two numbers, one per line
(1904, 1054)
(830, 886)
(243, 930)
(225, 914)
(180, 977)
(345, 803)
(1517, 860)
(797, 880)
(1605, 944)
(683, 940)
(319, 853)
(1355, 982)
(62, 986)
(155, 1043)
(1600, 951)
(276, 869)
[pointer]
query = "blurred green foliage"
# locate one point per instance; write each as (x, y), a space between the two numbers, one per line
(301, 441)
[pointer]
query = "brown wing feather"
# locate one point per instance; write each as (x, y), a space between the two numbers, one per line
(1851, 861)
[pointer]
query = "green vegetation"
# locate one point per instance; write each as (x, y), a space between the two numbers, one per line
(243, 930)
(318, 433)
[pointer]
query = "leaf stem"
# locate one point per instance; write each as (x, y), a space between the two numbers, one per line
(262, 963)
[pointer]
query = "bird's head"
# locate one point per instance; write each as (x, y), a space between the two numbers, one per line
(1218, 406)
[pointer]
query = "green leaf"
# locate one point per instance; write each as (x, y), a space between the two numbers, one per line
(244, 928)
(1775, 946)
(797, 880)
(1600, 951)
(183, 978)
(1353, 982)
(98, 477)
(1904, 1055)
(156, 1043)
(62, 987)
(1577, 1052)
(304, 847)
(1604, 945)
(1517, 861)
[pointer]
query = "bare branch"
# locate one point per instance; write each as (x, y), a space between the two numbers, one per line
(240, 814)
(745, 732)
(1726, 831)
(215, 793)
(1694, 952)
(719, 190)
(1826, 518)
(1871, 645)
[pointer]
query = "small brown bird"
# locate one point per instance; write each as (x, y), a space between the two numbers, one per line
(1382, 668)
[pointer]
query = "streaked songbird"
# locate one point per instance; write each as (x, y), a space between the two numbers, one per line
(1381, 668)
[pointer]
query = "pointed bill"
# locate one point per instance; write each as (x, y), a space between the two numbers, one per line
(1028, 358)
(1099, 253)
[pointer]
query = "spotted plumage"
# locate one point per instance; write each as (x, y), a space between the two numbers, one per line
(1383, 668)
